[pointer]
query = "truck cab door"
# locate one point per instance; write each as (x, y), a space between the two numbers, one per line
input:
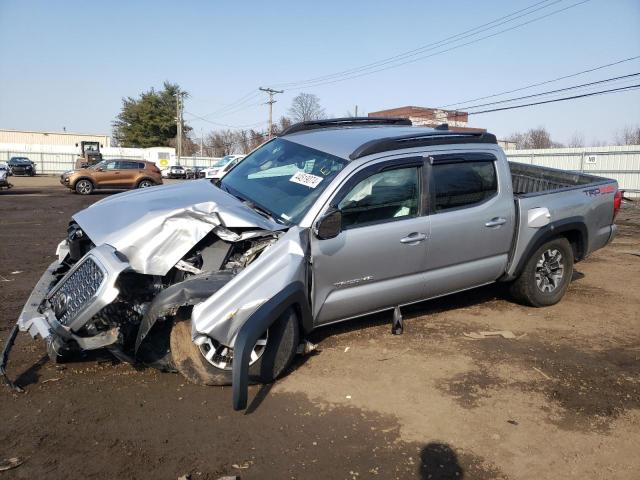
(377, 261)
(472, 220)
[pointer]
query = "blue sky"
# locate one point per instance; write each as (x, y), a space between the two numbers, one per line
(69, 63)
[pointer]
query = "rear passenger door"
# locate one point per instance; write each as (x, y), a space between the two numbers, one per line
(130, 171)
(472, 221)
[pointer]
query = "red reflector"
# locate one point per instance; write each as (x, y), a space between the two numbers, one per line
(617, 202)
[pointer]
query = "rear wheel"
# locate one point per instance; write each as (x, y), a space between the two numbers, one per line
(145, 184)
(84, 187)
(210, 363)
(546, 276)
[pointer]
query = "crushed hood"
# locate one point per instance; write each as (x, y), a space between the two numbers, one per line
(155, 227)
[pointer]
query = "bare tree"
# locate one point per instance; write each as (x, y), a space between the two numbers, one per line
(533, 138)
(628, 136)
(305, 107)
(577, 140)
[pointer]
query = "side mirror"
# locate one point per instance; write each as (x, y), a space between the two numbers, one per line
(100, 169)
(329, 226)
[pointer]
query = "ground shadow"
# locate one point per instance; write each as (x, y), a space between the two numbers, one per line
(438, 461)
(32, 374)
(259, 398)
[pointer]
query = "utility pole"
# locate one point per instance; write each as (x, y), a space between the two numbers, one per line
(179, 107)
(356, 110)
(201, 140)
(271, 101)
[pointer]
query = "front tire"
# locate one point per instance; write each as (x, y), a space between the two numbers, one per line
(191, 360)
(84, 187)
(546, 275)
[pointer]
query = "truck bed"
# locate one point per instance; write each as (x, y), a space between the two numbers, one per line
(529, 180)
(569, 198)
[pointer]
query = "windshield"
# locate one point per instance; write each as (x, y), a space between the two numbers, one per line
(102, 164)
(20, 161)
(283, 178)
(222, 162)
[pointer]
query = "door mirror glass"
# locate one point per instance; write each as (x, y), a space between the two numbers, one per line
(330, 225)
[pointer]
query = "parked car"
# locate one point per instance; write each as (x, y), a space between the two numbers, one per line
(222, 166)
(332, 220)
(113, 174)
(198, 171)
(176, 171)
(4, 176)
(21, 166)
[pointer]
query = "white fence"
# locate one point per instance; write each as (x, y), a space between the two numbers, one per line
(621, 163)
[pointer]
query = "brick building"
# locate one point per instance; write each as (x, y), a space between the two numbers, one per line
(430, 117)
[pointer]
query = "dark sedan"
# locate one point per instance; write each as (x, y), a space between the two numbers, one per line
(22, 166)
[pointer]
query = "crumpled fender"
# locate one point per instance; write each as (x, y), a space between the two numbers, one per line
(222, 315)
(191, 291)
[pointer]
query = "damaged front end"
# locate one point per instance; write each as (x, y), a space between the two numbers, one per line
(134, 263)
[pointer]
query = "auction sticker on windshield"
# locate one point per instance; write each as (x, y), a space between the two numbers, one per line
(306, 179)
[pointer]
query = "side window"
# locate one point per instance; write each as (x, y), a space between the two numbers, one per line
(112, 165)
(463, 184)
(384, 196)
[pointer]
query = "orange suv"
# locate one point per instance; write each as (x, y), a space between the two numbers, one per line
(112, 174)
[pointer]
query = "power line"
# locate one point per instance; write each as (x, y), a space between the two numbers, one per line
(242, 100)
(418, 50)
(563, 99)
(317, 84)
(554, 91)
(224, 124)
(564, 77)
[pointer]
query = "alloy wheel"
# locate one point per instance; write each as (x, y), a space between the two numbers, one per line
(549, 270)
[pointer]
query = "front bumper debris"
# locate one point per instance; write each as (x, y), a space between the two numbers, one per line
(38, 318)
(30, 320)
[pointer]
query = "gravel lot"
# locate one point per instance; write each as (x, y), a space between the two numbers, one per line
(562, 400)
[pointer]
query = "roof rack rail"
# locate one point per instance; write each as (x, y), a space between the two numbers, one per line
(343, 122)
(422, 139)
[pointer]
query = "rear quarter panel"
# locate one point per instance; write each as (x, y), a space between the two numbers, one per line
(591, 205)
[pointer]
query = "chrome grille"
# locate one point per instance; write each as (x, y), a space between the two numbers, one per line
(76, 290)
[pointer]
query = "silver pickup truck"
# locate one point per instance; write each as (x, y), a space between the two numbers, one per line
(332, 220)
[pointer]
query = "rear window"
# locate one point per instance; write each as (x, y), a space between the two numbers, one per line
(464, 184)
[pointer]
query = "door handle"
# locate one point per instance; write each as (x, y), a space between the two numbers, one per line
(413, 238)
(495, 222)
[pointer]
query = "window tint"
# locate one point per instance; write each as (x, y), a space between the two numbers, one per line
(124, 164)
(463, 184)
(384, 196)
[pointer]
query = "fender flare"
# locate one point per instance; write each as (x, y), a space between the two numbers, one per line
(554, 230)
(293, 295)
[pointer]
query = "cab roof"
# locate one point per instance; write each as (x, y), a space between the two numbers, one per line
(358, 137)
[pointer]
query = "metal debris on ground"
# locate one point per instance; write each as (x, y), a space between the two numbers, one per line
(542, 373)
(306, 348)
(10, 464)
(483, 335)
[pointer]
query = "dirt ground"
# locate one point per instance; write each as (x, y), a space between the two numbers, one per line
(562, 400)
